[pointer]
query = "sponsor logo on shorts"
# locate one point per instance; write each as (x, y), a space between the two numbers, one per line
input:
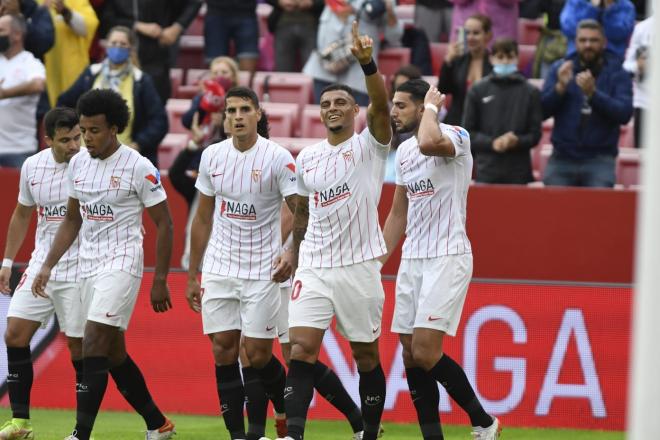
(423, 188)
(434, 318)
(295, 291)
(330, 196)
(279, 335)
(109, 315)
(372, 400)
(34, 183)
(375, 330)
(288, 392)
(269, 329)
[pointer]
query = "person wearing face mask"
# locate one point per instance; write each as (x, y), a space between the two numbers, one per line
(503, 116)
(148, 124)
(22, 79)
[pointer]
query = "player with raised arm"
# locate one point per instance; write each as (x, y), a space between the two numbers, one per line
(336, 244)
(236, 229)
(433, 172)
(42, 188)
(109, 186)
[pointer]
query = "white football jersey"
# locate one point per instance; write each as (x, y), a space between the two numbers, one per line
(437, 189)
(343, 184)
(43, 184)
(112, 193)
(248, 188)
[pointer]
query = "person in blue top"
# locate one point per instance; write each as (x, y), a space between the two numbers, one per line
(590, 97)
(616, 16)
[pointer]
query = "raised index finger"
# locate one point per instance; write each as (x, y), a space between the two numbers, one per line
(356, 34)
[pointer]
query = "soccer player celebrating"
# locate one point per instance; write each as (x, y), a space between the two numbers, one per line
(433, 171)
(336, 243)
(42, 185)
(109, 185)
(236, 228)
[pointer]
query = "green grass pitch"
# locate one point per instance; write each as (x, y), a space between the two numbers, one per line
(56, 424)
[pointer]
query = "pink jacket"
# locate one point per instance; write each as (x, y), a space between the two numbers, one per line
(503, 13)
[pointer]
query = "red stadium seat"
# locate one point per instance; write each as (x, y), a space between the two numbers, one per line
(176, 79)
(546, 132)
(628, 167)
(438, 52)
(391, 59)
(191, 52)
(284, 87)
(526, 53)
(169, 148)
(529, 31)
(546, 152)
(175, 108)
(282, 118)
(627, 136)
(196, 26)
(194, 76)
(295, 144)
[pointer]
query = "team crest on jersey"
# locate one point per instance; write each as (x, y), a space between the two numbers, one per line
(348, 155)
(421, 188)
(238, 210)
(256, 175)
(114, 182)
(332, 195)
(52, 213)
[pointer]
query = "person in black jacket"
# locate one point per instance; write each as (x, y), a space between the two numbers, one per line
(158, 25)
(465, 64)
(148, 123)
(294, 23)
(40, 35)
(503, 115)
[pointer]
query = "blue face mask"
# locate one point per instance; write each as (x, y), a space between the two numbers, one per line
(504, 69)
(118, 55)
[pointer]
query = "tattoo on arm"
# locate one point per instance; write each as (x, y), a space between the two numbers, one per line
(300, 220)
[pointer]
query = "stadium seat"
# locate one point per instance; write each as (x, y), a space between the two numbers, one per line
(175, 108)
(194, 76)
(627, 136)
(282, 118)
(191, 52)
(526, 53)
(546, 131)
(176, 80)
(546, 152)
(284, 87)
(391, 59)
(438, 52)
(295, 144)
(529, 31)
(627, 167)
(169, 148)
(196, 26)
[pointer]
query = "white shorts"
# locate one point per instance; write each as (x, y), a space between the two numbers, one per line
(64, 299)
(109, 297)
(250, 306)
(353, 293)
(283, 315)
(430, 293)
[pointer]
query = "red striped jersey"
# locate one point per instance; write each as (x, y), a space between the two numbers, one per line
(437, 190)
(43, 184)
(343, 185)
(248, 188)
(112, 194)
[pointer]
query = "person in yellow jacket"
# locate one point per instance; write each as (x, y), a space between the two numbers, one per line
(75, 24)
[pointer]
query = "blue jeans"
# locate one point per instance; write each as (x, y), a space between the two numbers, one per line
(14, 160)
(220, 29)
(595, 172)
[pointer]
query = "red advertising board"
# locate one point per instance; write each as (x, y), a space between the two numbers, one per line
(538, 355)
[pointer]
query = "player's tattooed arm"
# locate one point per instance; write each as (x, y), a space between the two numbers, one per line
(300, 220)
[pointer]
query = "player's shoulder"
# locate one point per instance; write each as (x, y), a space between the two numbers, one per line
(215, 149)
(278, 150)
(312, 149)
(454, 129)
(39, 158)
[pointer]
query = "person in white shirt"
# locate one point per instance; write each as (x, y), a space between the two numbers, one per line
(336, 243)
(109, 186)
(42, 188)
(433, 172)
(22, 79)
(236, 229)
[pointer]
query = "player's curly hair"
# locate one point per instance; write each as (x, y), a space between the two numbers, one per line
(105, 102)
(417, 89)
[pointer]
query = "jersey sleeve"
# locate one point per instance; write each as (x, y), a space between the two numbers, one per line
(287, 177)
(149, 186)
(203, 183)
(398, 179)
(381, 150)
(459, 137)
(300, 182)
(24, 194)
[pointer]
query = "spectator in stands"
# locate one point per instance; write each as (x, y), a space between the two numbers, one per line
(590, 96)
(636, 59)
(503, 116)
(75, 25)
(158, 25)
(22, 79)
(40, 35)
(232, 20)
(225, 71)
(333, 62)
(147, 125)
(465, 64)
(293, 23)
(434, 18)
(553, 43)
(503, 14)
(616, 16)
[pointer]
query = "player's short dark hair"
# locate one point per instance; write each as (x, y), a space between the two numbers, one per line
(243, 92)
(417, 88)
(590, 23)
(60, 117)
(504, 46)
(105, 102)
(338, 86)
